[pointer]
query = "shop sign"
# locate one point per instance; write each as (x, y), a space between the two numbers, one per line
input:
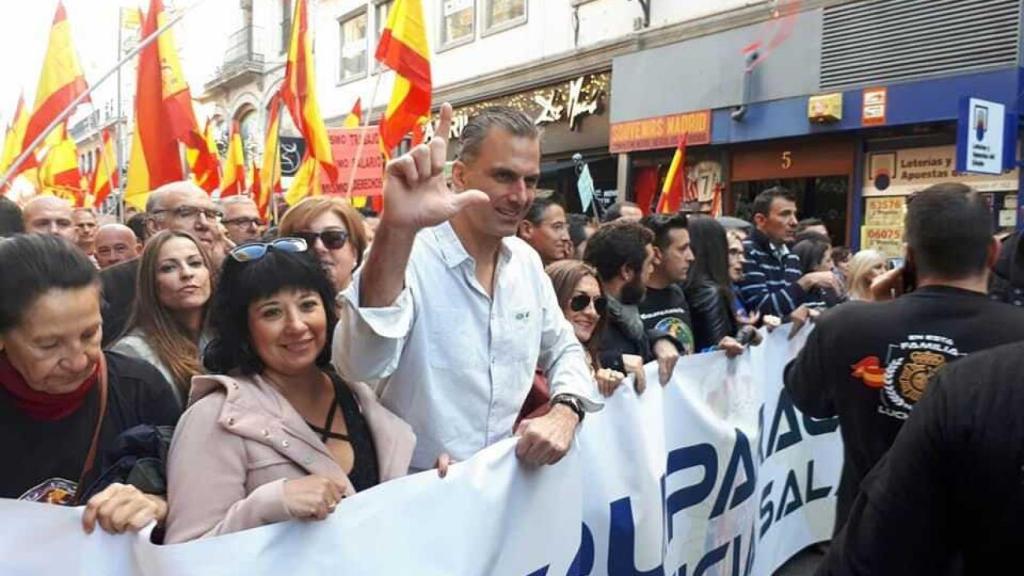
(568, 102)
(981, 139)
(886, 239)
(874, 106)
(903, 172)
(884, 211)
(661, 132)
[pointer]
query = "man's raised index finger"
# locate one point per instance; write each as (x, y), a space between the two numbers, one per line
(444, 125)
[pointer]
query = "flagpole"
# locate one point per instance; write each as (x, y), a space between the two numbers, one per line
(119, 132)
(276, 165)
(12, 169)
(362, 135)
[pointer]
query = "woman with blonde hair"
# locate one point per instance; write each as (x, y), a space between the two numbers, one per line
(175, 283)
(864, 267)
(334, 231)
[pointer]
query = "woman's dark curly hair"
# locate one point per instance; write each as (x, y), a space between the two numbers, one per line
(242, 283)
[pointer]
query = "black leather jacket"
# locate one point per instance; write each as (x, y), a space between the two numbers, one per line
(711, 312)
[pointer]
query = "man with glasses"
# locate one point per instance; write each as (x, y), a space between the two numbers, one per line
(241, 219)
(453, 312)
(179, 206)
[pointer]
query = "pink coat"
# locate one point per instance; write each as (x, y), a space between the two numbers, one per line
(241, 439)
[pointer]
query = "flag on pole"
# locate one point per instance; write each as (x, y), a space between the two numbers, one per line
(15, 136)
(163, 116)
(270, 181)
(355, 117)
(305, 183)
(58, 171)
(403, 47)
(672, 190)
(205, 161)
(105, 178)
(254, 181)
(60, 82)
(234, 165)
(299, 91)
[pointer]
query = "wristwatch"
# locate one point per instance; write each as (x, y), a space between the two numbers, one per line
(574, 404)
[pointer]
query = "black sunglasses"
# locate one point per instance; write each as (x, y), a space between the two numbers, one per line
(332, 239)
(257, 250)
(579, 303)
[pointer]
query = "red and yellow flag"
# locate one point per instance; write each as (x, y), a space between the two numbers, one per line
(15, 136)
(205, 161)
(60, 82)
(105, 178)
(305, 183)
(355, 117)
(671, 198)
(234, 165)
(270, 182)
(299, 91)
(403, 47)
(254, 180)
(163, 116)
(58, 171)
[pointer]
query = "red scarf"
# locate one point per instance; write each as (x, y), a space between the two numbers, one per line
(40, 405)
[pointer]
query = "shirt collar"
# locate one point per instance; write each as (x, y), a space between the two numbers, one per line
(454, 253)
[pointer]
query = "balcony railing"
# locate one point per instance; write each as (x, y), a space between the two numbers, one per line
(243, 58)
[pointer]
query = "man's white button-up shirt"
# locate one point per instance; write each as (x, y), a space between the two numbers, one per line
(457, 365)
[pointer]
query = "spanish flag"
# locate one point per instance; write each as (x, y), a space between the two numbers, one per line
(403, 47)
(60, 82)
(105, 178)
(299, 92)
(15, 136)
(234, 165)
(163, 116)
(305, 183)
(270, 181)
(355, 117)
(58, 171)
(672, 190)
(205, 161)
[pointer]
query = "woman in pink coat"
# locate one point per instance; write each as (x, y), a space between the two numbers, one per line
(277, 435)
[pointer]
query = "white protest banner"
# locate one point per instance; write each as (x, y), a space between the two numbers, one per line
(716, 473)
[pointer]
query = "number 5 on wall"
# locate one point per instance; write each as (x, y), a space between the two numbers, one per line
(787, 160)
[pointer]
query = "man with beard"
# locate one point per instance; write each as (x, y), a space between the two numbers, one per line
(624, 258)
(176, 206)
(546, 230)
(453, 311)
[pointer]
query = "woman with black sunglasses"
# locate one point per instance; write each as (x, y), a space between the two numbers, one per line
(334, 232)
(276, 435)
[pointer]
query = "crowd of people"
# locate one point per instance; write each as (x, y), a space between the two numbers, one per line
(273, 371)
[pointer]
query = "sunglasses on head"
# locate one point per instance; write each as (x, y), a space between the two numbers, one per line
(332, 239)
(257, 250)
(580, 302)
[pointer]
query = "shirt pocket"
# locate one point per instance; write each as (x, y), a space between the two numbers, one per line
(520, 338)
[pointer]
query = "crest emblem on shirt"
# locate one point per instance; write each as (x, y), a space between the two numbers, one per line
(908, 368)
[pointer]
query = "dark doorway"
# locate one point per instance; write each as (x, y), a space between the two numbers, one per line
(823, 197)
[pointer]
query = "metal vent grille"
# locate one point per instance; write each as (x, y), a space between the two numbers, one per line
(884, 41)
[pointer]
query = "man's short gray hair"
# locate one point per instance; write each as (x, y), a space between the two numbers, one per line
(237, 199)
(156, 197)
(508, 119)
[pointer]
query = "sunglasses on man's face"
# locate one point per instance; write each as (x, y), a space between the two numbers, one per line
(257, 250)
(332, 239)
(580, 302)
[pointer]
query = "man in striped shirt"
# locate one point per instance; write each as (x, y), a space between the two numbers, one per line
(773, 282)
